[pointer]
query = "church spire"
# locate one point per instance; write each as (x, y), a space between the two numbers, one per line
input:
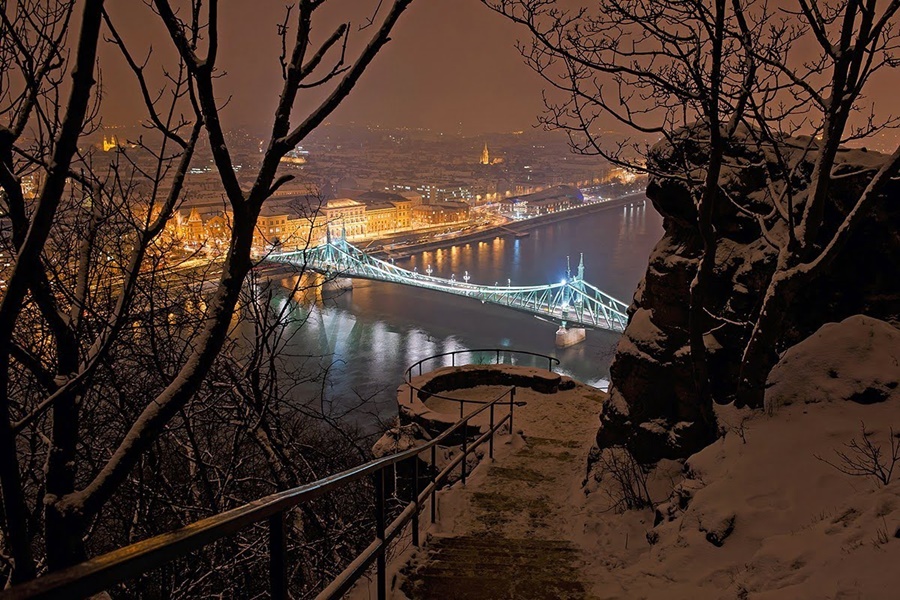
(485, 155)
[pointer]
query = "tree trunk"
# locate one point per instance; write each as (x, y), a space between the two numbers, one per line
(14, 507)
(697, 326)
(760, 354)
(64, 535)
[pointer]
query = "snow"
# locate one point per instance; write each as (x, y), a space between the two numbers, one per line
(642, 332)
(857, 359)
(764, 519)
(627, 346)
(758, 514)
(399, 439)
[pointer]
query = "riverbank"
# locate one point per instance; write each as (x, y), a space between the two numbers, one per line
(518, 229)
(513, 227)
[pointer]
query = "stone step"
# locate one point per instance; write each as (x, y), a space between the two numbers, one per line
(489, 587)
(493, 541)
(488, 567)
(464, 563)
(514, 571)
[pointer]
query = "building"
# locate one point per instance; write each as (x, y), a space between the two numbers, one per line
(276, 227)
(443, 213)
(404, 211)
(486, 157)
(284, 224)
(548, 201)
(291, 223)
(345, 215)
(218, 229)
(192, 229)
(109, 144)
(381, 217)
(386, 212)
(454, 191)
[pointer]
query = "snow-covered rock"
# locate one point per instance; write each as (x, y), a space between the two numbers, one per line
(651, 374)
(399, 438)
(857, 359)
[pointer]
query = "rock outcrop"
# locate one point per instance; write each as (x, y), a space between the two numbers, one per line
(652, 409)
(857, 359)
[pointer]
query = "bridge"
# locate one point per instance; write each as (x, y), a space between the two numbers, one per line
(571, 302)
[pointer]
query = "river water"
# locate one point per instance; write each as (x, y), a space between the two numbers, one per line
(368, 336)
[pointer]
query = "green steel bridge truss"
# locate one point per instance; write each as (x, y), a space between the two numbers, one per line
(570, 302)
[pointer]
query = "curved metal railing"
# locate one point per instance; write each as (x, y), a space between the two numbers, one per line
(108, 570)
(414, 390)
(497, 352)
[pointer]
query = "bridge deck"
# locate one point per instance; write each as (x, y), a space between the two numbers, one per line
(512, 532)
(571, 301)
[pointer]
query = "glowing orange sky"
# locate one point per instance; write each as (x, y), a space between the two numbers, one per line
(451, 66)
(450, 62)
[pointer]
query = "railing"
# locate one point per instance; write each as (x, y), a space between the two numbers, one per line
(489, 352)
(108, 570)
(496, 353)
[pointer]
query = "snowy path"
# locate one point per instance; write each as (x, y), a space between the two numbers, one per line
(511, 531)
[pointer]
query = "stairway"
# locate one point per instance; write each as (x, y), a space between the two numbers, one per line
(508, 543)
(494, 568)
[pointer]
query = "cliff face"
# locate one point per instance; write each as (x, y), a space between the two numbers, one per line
(652, 407)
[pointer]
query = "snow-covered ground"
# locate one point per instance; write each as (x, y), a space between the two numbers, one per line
(799, 528)
(765, 512)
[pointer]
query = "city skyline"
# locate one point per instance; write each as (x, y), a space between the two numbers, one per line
(442, 299)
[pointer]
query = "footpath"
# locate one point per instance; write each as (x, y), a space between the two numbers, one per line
(512, 532)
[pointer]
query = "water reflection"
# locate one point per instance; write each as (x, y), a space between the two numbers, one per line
(369, 335)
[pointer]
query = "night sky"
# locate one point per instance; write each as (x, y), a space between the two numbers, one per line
(452, 65)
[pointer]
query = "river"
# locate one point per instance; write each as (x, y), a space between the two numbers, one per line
(369, 335)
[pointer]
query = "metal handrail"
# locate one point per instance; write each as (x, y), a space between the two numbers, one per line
(551, 360)
(105, 571)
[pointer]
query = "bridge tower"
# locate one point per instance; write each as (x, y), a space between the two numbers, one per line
(578, 283)
(566, 337)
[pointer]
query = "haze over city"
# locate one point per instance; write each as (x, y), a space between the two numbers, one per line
(449, 299)
(451, 65)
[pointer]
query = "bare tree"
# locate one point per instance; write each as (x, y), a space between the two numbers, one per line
(671, 69)
(865, 458)
(857, 40)
(108, 344)
(720, 81)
